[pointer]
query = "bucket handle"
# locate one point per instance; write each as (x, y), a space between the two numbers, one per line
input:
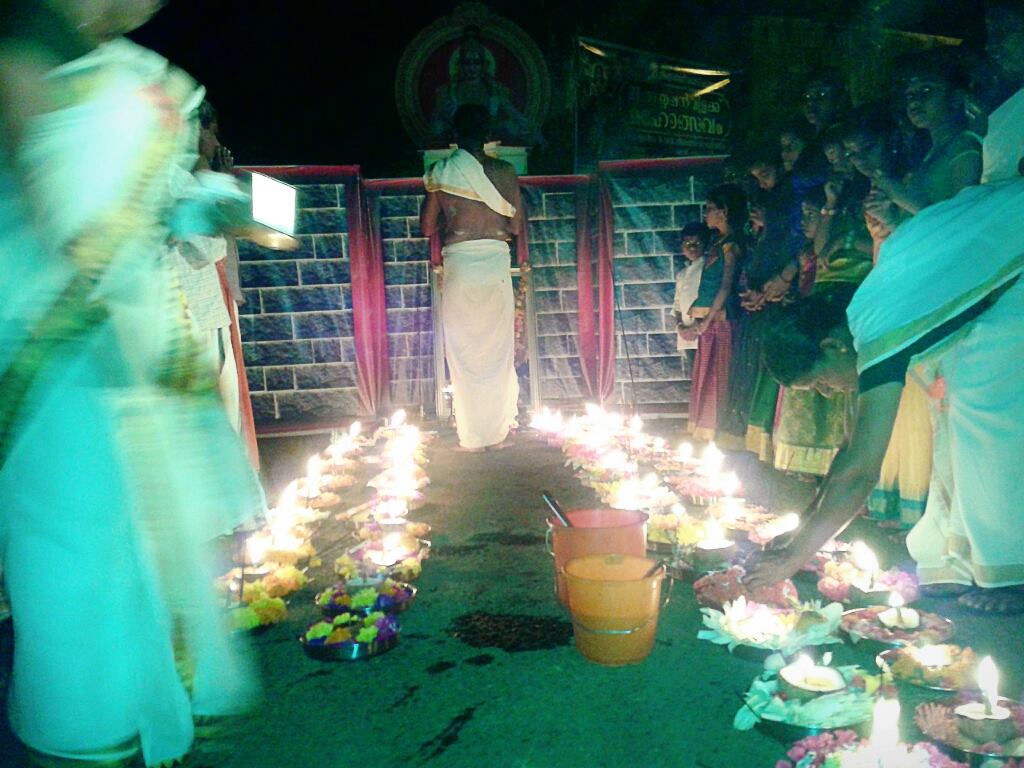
(548, 542)
(634, 630)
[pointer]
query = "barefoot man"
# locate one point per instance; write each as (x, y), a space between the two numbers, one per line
(473, 200)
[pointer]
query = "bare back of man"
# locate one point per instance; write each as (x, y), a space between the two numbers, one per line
(460, 219)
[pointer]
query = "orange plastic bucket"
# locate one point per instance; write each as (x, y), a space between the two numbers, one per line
(614, 606)
(595, 532)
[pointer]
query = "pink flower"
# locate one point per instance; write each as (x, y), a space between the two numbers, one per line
(834, 589)
(796, 752)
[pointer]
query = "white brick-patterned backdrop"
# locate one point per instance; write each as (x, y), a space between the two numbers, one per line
(297, 319)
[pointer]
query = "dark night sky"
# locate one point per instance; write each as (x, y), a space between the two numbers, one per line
(311, 81)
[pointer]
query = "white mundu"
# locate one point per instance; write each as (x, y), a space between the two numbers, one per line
(478, 313)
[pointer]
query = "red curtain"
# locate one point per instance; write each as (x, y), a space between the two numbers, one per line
(596, 333)
(369, 308)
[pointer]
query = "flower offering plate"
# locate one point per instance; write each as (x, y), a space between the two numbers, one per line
(767, 707)
(350, 636)
(958, 676)
(937, 721)
(863, 625)
(347, 651)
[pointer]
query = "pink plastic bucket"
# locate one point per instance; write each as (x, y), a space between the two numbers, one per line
(594, 532)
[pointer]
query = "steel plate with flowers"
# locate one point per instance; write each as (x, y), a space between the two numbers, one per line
(350, 636)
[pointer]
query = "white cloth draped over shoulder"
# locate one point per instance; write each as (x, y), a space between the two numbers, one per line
(946, 259)
(112, 480)
(462, 175)
(478, 314)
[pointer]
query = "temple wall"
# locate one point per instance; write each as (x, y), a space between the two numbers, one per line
(297, 320)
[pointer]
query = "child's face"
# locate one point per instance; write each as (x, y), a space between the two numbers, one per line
(810, 217)
(693, 248)
(766, 175)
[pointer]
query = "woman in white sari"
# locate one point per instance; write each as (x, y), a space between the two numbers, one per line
(116, 460)
(945, 302)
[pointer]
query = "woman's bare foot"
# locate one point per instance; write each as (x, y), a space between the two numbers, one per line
(999, 601)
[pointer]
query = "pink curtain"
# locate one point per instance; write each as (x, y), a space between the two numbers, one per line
(605, 292)
(596, 332)
(523, 240)
(587, 340)
(369, 308)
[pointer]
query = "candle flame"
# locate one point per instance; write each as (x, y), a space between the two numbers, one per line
(988, 681)
(397, 418)
(864, 558)
(287, 498)
(885, 727)
(685, 451)
(788, 522)
(712, 458)
(896, 600)
(714, 533)
(729, 484)
(933, 656)
(354, 429)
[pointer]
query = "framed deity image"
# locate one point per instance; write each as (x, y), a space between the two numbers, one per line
(472, 57)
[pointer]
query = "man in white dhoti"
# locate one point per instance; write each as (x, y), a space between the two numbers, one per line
(473, 201)
(946, 302)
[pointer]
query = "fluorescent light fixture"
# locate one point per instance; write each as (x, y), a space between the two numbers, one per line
(695, 71)
(273, 204)
(712, 87)
(593, 49)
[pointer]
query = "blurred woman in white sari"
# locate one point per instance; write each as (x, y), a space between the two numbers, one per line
(116, 459)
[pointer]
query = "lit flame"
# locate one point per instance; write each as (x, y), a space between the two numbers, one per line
(714, 534)
(354, 429)
(712, 458)
(933, 656)
(685, 451)
(286, 501)
(729, 484)
(313, 476)
(397, 418)
(896, 600)
(988, 681)
(864, 558)
(786, 523)
(256, 548)
(885, 726)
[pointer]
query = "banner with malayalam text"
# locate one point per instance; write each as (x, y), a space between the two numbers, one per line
(631, 104)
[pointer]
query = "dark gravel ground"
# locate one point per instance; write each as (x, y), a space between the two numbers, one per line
(486, 670)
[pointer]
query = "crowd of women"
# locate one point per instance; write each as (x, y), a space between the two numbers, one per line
(871, 196)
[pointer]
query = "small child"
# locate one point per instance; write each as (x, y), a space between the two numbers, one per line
(695, 236)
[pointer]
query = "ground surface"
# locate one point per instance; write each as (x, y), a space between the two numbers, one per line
(437, 700)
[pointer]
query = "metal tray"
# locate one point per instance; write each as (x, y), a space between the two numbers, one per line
(348, 651)
(787, 733)
(889, 656)
(973, 757)
(877, 645)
